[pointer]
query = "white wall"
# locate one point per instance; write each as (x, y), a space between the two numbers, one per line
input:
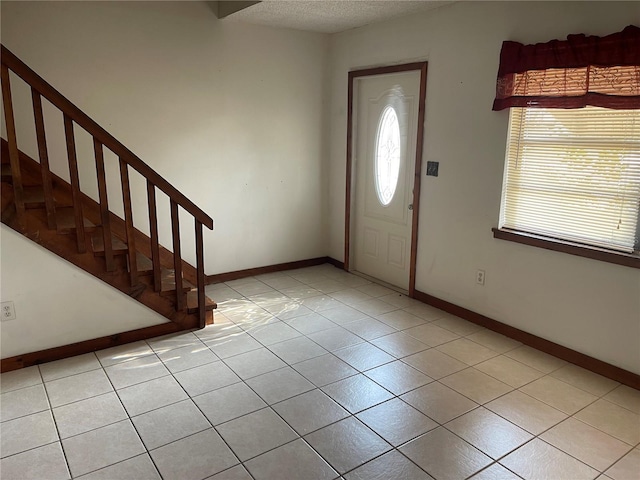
(230, 114)
(57, 303)
(590, 306)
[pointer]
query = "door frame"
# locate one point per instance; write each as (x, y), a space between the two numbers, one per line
(367, 72)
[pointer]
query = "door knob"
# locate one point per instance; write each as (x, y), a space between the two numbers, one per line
(411, 206)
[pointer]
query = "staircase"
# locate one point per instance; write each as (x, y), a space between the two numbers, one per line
(59, 216)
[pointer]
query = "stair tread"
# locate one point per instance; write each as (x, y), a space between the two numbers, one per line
(65, 221)
(118, 246)
(169, 282)
(34, 192)
(192, 302)
(6, 173)
(144, 264)
(34, 195)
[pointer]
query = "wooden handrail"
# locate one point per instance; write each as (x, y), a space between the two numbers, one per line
(100, 134)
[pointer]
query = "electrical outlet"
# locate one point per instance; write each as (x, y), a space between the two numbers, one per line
(480, 277)
(8, 311)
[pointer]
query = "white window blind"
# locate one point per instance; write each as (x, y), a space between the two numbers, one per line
(574, 175)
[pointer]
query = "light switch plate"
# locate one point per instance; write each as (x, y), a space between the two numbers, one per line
(432, 169)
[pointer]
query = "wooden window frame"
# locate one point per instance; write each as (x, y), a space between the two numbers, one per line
(619, 258)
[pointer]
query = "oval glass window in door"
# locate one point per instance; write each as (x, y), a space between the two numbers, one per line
(387, 159)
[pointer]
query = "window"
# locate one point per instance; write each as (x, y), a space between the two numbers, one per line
(572, 170)
(387, 160)
(574, 175)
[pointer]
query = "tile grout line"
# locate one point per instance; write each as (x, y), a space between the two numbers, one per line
(513, 389)
(358, 372)
(399, 359)
(206, 418)
(146, 450)
(270, 407)
(351, 415)
(55, 423)
(468, 366)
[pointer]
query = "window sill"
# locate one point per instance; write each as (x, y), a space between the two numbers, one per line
(627, 259)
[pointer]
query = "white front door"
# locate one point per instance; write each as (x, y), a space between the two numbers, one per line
(385, 114)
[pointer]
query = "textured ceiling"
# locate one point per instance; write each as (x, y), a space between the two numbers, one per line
(329, 16)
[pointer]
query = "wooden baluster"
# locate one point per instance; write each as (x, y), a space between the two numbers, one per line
(128, 219)
(104, 206)
(200, 273)
(47, 186)
(153, 227)
(177, 259)
(14, 158)
(75, 184)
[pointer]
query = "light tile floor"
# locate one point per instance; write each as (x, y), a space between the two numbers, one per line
(318, 374)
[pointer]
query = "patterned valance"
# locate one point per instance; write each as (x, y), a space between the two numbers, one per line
(573, 73)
